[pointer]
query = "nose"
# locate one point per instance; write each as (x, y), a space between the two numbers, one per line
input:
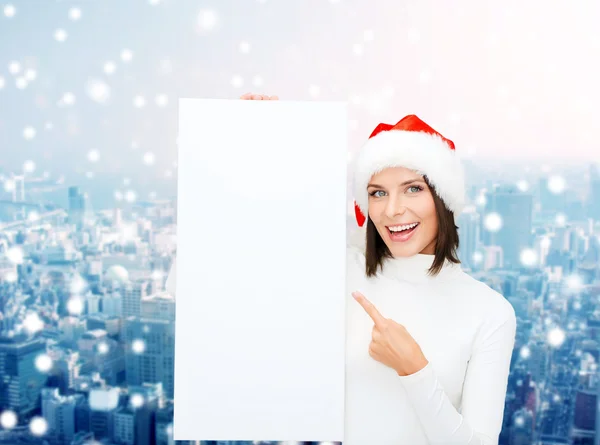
(394, 206)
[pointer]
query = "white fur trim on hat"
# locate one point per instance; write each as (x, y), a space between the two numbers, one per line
(427, 154)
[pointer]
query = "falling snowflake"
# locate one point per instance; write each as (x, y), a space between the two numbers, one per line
(68, 99)
(528, 257)
(525, 352)
(358, 49)
(21, 83)
(29, 133)
(14, 67)
(139, 101)
(33, 323)
(75, 306)
(126, 55)
(561, 219)
(2, 82)
(118, 195)
(556, 184)
(556, 337)
(161, 100)
(9, 185)
(149, 158)
(137, 400)
(60, 35)
(523, 185)
(109, 68)
(29, 166)
(207, 20)
(103, 348)
(10, 276)
(493, 222)
(43, 363)
(257, 81)
(74, 14)
(97, 90)
(33, 216)
(8, 419)
(130, 196)
(477, 257)
(9, 11)
(30, 75)
(138, 346)
(93, 155)
(519, 421)
(38, 426)
(78, 284)
(545, 242)
(244, 47)
(15, 255)
(574, 282)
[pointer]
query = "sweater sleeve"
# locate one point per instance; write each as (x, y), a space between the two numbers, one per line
(484, 390)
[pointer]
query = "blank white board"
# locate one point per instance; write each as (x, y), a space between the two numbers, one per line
(260, 281)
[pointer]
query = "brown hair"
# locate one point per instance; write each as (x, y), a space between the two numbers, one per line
(446, 243)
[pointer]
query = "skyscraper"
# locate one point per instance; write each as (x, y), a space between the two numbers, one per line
(76, 207)
(516, 212)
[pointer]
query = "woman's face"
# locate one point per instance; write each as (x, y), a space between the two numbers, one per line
(398, 199)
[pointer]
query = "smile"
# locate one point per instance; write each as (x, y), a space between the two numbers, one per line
(402, 233)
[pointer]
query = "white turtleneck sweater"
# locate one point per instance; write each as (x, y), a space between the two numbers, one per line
(465, 329)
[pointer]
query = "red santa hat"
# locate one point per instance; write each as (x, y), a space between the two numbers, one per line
(413, 144)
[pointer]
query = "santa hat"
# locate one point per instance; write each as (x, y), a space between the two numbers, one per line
(413, 144)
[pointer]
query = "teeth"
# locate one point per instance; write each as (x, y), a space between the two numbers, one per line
(401, 228)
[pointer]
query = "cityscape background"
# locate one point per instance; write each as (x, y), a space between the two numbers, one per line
(88, 184)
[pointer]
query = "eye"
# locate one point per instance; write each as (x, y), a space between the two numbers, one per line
(373, 193)
(418, 187)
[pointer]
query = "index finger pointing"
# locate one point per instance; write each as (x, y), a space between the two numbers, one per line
(377, 318)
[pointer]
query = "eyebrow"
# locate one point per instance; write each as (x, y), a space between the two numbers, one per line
(410, 181)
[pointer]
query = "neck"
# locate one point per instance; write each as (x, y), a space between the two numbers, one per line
(415, 268)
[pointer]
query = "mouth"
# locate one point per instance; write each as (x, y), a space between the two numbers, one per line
(403, 232)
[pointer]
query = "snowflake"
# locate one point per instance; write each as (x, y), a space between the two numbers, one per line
(8, 419)
(556, 337)
(556, 184)
(493, 222)
(75, 14)
(43, 363)
(38, 426)
(60, 35)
